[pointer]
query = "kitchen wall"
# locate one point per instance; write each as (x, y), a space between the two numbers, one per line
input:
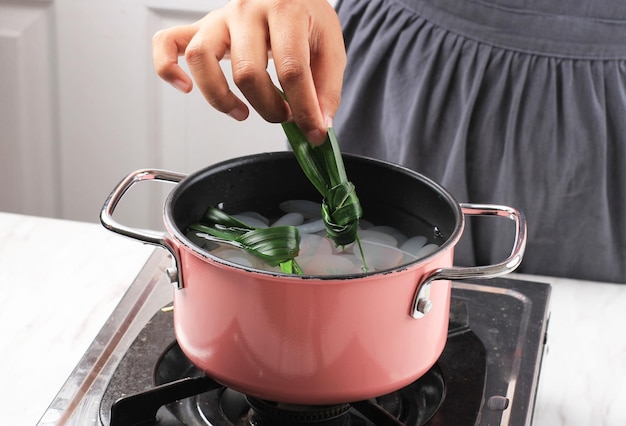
(80, 107)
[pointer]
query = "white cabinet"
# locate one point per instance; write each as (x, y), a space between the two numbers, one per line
(81, 106)
(28, 111)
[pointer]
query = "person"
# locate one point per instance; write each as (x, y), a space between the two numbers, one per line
(500, 101)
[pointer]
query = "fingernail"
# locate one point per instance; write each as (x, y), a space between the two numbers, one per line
(238, 114)
(316, 137)
(329, 122)
(180, 85)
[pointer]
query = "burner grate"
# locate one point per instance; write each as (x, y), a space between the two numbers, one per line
(509, 317)
(451, 391)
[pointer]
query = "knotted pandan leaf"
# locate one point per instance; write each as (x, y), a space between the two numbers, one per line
(275, 246)
(323, 165)
(341, 212)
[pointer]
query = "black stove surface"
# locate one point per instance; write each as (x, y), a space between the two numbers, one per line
(487, 374)
(167, 389)
(156, 384)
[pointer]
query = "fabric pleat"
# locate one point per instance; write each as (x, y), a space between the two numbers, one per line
(521, 103)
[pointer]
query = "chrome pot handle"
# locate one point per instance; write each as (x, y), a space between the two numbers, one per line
(421, 300)
(147, 236)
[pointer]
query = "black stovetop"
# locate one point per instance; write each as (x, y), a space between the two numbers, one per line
(135, 373)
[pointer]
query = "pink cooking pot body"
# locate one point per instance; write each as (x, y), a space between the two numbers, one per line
(312, 339)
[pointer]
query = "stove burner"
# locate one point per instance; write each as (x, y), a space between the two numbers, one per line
(450, 393)
(267, 413)
(414, 404)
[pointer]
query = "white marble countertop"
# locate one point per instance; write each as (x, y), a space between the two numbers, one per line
(60, 280)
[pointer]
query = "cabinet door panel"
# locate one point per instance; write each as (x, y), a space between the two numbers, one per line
(81, 106)
(28, 133)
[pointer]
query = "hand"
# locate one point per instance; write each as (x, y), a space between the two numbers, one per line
(302, 36)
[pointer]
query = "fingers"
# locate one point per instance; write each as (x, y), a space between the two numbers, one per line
(292, 61)
(309, 56)
(306, 42)
(328, 63)
(167, 46)
(203, 55)
(249, 61)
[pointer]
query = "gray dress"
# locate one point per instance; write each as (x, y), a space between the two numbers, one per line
(512, 102)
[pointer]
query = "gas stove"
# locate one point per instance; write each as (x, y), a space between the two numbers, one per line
(135, 373)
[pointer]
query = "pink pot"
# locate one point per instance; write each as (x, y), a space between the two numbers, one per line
(312, 339)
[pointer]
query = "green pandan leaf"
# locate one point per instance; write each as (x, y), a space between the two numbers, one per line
(341, 209)
(274, 246)
(323, 165)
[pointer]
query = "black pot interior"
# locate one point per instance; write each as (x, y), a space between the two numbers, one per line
(389, 194)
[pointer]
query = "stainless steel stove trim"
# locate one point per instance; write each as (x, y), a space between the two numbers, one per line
(528, 353)
(86, 384)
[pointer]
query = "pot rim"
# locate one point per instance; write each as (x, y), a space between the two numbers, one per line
(182, 239)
